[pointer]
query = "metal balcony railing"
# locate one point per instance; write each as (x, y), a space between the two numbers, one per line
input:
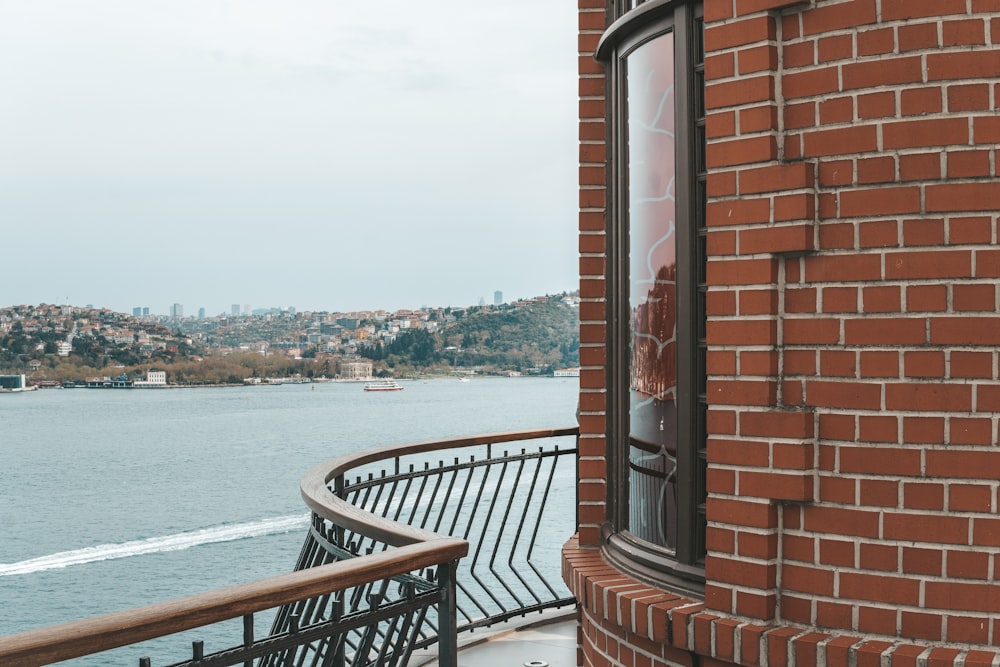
(380, 574)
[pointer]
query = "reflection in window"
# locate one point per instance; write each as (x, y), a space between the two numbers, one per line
(652, 292)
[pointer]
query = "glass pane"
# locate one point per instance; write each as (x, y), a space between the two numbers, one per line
(652, 293)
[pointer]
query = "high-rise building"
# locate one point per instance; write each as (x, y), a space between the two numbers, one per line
(176, 311)
(497, 298)
(145, 311)
(201, 313)
(236, 310)
(137, 311)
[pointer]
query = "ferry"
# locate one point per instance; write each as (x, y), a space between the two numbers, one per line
(383, 385)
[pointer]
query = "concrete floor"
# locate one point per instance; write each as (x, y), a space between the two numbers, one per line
(547, 640)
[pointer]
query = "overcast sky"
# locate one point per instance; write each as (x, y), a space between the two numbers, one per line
(322, 154)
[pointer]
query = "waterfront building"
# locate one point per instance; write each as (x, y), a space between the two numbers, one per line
(13, 382)
(355, 370)
(789, 328)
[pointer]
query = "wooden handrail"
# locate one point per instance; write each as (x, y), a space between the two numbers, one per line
(417, 549)
(325, 504)
(101, 633)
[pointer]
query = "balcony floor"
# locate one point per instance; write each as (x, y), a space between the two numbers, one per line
(550, 639)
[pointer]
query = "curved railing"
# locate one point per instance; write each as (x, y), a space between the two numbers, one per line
(103, 633)
(379, 575)
(514, 509)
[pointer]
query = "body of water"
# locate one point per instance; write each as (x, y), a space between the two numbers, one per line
(111, 499)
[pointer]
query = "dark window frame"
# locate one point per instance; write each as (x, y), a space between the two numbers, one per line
(682, 568)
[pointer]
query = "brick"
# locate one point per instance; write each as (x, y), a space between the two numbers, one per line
(921, 625)
(742, 151)
(838, 363)
(784, 238)
(799, 54)
(962, 463)
(744, 90)
(920, 167)
(889, 331)
(971, 365)
(969, 97)
(776, 178)
(840, 141)
(879, 588)
(917, 37)
(834, 236)
(923, 363)
(842, 15)
(842, 268)
(965, 331)
(880, 460)
(923, 496)
(811, 331)
(876, 105)
(970, 32)
(877, 363)
(811, 83)
(968, 164)
(919, 101)
(930, 132)
(881, 299)
(980, 297)
(894, 10)
(980, 64)
(970, 498)
(836, 172)
(926, 298)
(882, 72)
(928, 264)
(878, 493)
(831, 394)
(923, 232)
(743, 272)
(879, 233)
(970, 230)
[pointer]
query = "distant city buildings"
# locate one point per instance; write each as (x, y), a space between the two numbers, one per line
(235, 310)
(201, 313)
(137, 312)
(497, 298)
(177, 311)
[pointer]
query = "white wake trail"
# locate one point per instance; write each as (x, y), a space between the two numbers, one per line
(152, 545)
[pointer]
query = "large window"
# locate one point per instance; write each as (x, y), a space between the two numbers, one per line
(656, 306)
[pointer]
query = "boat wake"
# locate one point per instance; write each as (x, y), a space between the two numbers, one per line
(152, 545)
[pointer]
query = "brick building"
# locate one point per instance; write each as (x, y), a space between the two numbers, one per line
(789, 333)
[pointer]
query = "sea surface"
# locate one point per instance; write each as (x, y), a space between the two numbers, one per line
(112, 499)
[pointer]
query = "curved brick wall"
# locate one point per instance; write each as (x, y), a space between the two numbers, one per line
(853, 328)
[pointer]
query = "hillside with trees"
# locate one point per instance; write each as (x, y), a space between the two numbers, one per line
(537, 337)
(57, 344)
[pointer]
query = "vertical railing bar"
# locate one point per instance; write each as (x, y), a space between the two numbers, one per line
(520, 527)
(439, 478)
(415, 506)
(447, 619)
(453, 477)
(248, 636)
(538, 523)
(503, 525)
(479, 543)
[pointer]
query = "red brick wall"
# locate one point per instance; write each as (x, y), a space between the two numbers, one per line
(854, 321)
(593, 329)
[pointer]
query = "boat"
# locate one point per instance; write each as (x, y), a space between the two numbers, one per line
(383, 385)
